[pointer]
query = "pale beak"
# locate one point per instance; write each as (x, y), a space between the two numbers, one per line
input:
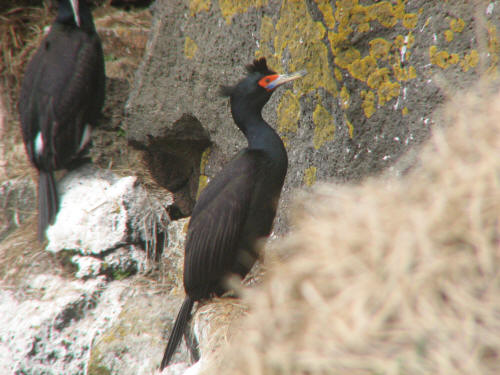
(76, 14)
(284, 78)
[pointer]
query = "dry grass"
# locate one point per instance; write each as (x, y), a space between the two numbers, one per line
(390, 277)
(21, 31)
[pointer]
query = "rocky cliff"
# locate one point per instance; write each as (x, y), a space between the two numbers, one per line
(101, 295)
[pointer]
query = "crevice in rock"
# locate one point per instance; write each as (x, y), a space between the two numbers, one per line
(173, 160)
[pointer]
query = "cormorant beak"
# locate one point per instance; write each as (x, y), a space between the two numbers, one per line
(76, 14)
(284, 78)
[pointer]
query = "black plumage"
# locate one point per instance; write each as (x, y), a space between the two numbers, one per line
(61, 98)
(238, 206)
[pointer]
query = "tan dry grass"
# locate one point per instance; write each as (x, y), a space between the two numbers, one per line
(390, 277)
(21, 31)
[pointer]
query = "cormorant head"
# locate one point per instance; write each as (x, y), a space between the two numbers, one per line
(257, 87)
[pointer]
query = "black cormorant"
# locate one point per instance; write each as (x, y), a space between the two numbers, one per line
(238, 206)
(61, 99)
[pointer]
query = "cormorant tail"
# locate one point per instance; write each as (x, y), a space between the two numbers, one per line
(177, 331)
(48, 203)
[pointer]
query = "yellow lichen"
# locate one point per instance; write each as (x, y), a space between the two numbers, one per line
(470, 60)
(493, 48)
(362, 68)
(288, 113)
(410, 20)
(300, 36)
(387, 91)
(377, 78)
(379, 47)
(454, 59)
(327, 11)
(196, 6)
(190, 48)
(346, 57)
(266, 29)
(229, 8)
(448, 35)
(203, 180)
(350, 127)
(399, 41)
(368, 104)
(345, 98)
(202, 184)
(383, 12)
(439, 58)
(404, 74)
(324, 129)
(338, 74)
(457, 25)
(337, 42)
(310, 176)
(204, 159)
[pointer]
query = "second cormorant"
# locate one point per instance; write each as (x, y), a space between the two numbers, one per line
(61, 98)
(238, 206)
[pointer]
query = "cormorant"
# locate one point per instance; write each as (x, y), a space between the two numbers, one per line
(238, 206)
(61, 98)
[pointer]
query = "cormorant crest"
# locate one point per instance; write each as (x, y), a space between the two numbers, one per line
(258, 66)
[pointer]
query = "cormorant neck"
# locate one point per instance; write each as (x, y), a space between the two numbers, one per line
(65, 15)
(256, 130)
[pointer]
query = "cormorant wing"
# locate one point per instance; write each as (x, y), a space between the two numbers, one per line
(217, 222)
(63, 89)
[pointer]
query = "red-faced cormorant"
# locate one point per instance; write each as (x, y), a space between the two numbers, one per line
(61, 98)
(238, 206)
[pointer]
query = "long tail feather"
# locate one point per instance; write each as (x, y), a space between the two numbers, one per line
(48, 202)
(177, 331)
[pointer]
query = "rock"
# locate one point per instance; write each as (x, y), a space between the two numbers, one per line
(368, 97)
(109, 218)
(17, 202)
(133, 344)
(53, 330)
(135, 341)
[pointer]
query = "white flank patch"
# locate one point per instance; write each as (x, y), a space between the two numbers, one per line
(87, 131)
(38, 144)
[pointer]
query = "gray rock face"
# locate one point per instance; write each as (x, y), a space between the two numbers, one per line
(367, 99)
(17, 197)
(53, 332)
